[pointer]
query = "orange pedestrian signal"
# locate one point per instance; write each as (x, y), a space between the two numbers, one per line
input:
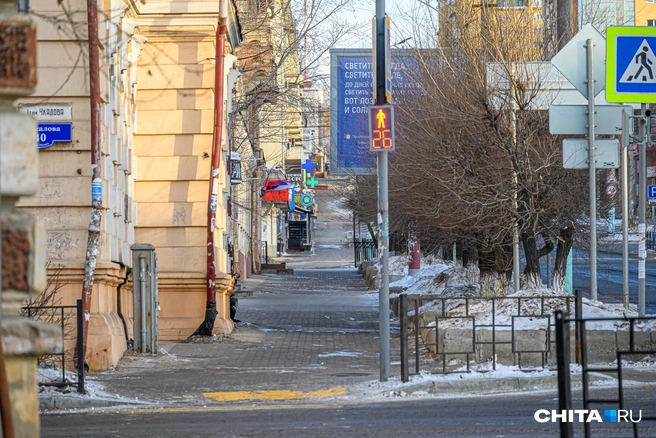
(381, 128)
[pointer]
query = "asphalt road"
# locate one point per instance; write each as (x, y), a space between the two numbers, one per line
(483, 416)
(609, 279)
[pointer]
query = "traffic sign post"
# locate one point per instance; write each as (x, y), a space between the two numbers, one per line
(583, 58)
(626, 118)
(631, 78)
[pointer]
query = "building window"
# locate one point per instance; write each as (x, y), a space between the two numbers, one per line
(651, 22)
(512, 3)
(502, 18)
(537, 17)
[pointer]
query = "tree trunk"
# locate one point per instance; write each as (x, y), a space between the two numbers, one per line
(532, 271)
(565, 241)
(493, 264)
(470, 263)
(489, 277)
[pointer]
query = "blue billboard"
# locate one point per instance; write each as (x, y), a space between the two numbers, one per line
(351, 91)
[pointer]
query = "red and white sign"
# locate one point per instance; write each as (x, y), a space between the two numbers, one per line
(611, 190)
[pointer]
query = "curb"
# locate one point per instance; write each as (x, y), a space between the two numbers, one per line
(57, 403)
(501, 384)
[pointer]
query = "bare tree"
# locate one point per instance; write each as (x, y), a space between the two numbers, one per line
(474, 156)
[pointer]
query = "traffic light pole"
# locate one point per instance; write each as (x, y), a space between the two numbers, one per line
(383, 212)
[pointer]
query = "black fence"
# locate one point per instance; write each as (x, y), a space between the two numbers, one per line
(264, 252)
(563, 348)
(487, 317)
(365, 250)
(60, 315)
(651, 240)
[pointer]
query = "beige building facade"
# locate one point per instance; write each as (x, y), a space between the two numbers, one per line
(645, 13)
(157, 93)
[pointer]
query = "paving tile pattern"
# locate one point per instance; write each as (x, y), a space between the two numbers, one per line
(312, 330)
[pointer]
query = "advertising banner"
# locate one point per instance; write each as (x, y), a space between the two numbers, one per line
(351, 92)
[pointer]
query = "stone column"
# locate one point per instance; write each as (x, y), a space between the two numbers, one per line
(22, 239)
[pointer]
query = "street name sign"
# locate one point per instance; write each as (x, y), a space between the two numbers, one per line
(573, 119)
(51, 112)
(631, 66)
(575, 153)
(572, 59)
(49, 133)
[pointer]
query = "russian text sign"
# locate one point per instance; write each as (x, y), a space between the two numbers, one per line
(50, 133)
(351, 96)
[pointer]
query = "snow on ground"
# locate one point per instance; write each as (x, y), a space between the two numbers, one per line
(420, 384)
(336, 206)
(95, 391)
(46, 374)
(342, 354)
(453, 282)
(441, 279)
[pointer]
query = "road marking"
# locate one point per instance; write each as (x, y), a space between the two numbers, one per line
(273, 394)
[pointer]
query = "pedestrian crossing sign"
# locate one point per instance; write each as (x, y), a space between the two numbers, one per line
(631, 64)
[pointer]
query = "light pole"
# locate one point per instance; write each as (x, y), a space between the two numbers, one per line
(383, 213)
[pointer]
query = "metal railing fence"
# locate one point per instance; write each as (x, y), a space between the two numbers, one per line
(562, 323)
(451, 309)
(60, 315)
(365, 250)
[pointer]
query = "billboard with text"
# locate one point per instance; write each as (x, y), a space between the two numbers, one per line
(351, 91)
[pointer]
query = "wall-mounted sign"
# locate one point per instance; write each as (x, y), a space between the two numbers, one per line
(307, 200)
(235, 168)
(49, 133)
(50, 112)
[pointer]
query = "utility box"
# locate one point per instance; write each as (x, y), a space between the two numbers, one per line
(146, 303)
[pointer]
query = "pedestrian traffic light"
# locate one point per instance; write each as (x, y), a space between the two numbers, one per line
(381, 128)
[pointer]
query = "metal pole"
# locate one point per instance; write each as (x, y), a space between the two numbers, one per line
(549, 279)
(625, 210)
(645, 131)
(383, 226)
(80, 347)
(564, 379)
(592, 168)
(569, 283)
(355, 249)
(513, 126)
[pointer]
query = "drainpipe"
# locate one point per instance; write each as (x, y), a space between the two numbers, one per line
(207, 326)
(119, 302)
(96, 180)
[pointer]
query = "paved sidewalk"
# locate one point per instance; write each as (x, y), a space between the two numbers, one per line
(311, 331)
